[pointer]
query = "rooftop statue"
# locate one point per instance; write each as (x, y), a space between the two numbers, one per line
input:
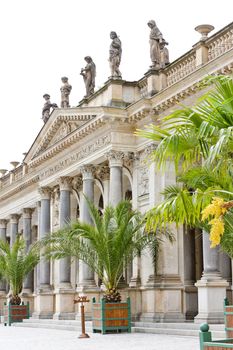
(164, 54)
(115, 52)
(47, 106)
(158, 51)
(89, 73)
(65, 93)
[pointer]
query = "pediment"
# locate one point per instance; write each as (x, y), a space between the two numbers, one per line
(55, 130)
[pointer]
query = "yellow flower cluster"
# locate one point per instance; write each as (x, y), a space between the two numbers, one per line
(216, 231)
(216, 210)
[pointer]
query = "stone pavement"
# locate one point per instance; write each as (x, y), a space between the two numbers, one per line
(13, 338)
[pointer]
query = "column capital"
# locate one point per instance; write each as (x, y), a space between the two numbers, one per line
(78, 182)
(103, 172)
(27, 213)
(3, 223)
(87, 172)
(115, 158)
(14, 218)
(45, 192)
(65, 183)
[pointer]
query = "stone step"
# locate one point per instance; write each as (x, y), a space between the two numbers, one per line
(188, 325)
(182, 329)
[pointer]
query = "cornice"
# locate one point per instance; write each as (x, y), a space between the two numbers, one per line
(20, 187)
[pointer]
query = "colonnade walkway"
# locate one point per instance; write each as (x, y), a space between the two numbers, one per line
(12, 338)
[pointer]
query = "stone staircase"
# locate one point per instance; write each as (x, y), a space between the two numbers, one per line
(182, 329)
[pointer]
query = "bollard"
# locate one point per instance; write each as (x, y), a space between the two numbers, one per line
(82, 300)
(204, 335)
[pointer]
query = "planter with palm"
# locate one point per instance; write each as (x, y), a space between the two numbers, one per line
(106, 246)
(16, 264)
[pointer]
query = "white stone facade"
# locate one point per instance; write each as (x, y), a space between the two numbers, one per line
(92, 149)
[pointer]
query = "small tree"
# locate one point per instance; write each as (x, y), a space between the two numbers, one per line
(107, 246)
(16, 263)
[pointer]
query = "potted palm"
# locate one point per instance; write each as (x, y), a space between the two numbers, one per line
(112, 241)
(15, 265)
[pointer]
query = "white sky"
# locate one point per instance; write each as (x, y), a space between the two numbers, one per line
(43, 40)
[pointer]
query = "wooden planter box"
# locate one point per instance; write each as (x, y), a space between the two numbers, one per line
(111, 317)
(206, 342)
(228, 318)
(15, 313)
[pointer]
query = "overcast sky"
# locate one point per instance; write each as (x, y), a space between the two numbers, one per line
(43, 40)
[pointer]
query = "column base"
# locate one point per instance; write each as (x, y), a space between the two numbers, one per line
(211, 294)
(44, 304)
(87, 286)
(64, 303)
(135, 282)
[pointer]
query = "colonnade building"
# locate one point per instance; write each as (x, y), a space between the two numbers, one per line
(92, 150)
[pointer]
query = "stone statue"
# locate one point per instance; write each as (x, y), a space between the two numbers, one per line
(115, 52)
(89, 73)
(65, 92)
(47, 106)
(156, 38)
(164, 54)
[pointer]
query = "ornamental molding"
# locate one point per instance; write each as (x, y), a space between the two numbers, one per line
(61, 127)
(20, 187)
(65, 183)
(77, 156)
(45, 192)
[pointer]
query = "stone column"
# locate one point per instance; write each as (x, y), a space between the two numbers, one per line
(190, 291)
(115, 159)
(27, 235)
(87, 283)
(44, 298)
(86, 276)
(135, 281)
(64, 292)
(104, 175)
(211, 287)
(225, 270)
(14, 221)
(3, 225)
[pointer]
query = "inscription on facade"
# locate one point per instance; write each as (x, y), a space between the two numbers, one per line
(84, 152)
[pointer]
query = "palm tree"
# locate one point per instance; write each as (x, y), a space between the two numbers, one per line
(113, 240)
(199, 140)
(16, 263)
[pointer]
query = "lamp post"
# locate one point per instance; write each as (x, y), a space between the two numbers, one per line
(82, 300)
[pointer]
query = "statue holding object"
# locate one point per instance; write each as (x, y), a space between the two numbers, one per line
(89, 73)
(158, 52)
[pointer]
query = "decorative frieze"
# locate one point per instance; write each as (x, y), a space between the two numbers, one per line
(103, 172)
(143, 181)
(84, 152)
(77, 183)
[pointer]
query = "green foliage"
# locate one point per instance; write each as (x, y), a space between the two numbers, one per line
(199, 141)
(107, 246)
(16, 263)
